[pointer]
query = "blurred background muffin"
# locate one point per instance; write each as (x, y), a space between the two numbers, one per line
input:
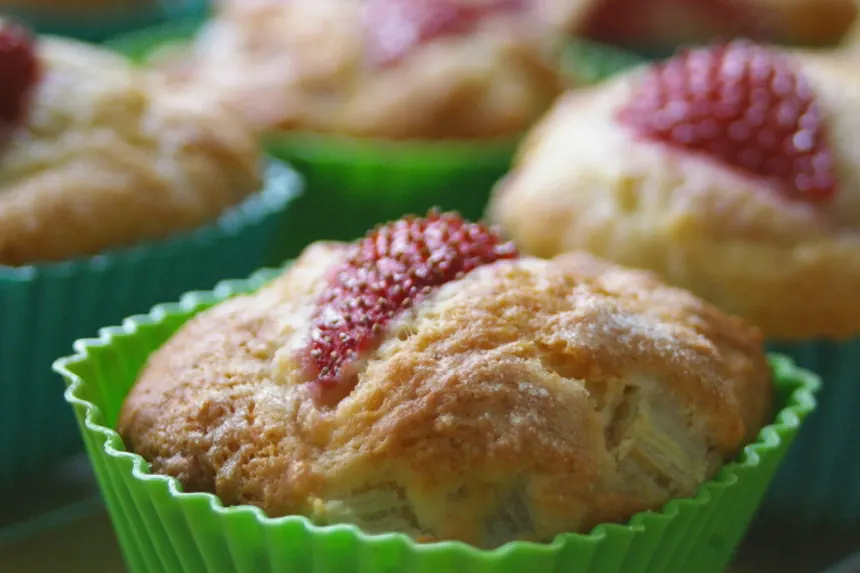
(99, 156)
(114, 194)
(386, 106)
(391, 69)
(658, 26)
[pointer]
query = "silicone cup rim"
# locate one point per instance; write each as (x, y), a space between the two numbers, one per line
(281, 185)
(379, 151)
(787, 420)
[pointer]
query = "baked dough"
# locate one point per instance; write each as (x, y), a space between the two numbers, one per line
(583, 181)
(806, 22)
(673, 22)
(106, 157)
(527, 398)
(306, 64)
(851, 41)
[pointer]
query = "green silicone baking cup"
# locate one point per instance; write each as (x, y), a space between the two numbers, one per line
(164, 530)
(591, 62)
(356, 183)
(44, 308)
(819, 483)
(138, 45)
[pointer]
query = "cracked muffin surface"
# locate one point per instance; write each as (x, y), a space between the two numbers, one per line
(103, 157)
(519, 400)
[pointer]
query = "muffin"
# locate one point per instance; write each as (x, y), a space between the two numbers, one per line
(494, 384)
(96, 155)
(114, 193)
(730, 171)
(427, 380)
(665, 24)
(386, 106)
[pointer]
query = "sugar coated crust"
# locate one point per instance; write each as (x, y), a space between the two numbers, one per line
(583, 181)
(305, 65)
(528, 398)
(106, 157)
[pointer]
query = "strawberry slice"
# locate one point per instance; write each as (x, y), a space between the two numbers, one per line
(396, 27)
(744, 105)
(384, 274)
(19, 72)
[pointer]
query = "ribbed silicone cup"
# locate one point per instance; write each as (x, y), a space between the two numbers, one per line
(163, 530)
(819, 483)
(99, 25)
(356, 183)
(44, 308)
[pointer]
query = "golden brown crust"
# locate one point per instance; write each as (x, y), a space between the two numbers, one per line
(581, 181)
(801, 22)
(529, 398)
(806, 22)
(107, 158)
(851, 40)
(304, 64)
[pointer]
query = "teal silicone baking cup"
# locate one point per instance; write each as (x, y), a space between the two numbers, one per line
(161, 529)
(44, 308)
(819, 483)
(98, 24)
(356, 183)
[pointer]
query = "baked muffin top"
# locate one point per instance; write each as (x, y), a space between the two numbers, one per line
(95, 154)
(378, 68)
(732, 171)
(666, 23)
(429, 380)
(806, 22)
